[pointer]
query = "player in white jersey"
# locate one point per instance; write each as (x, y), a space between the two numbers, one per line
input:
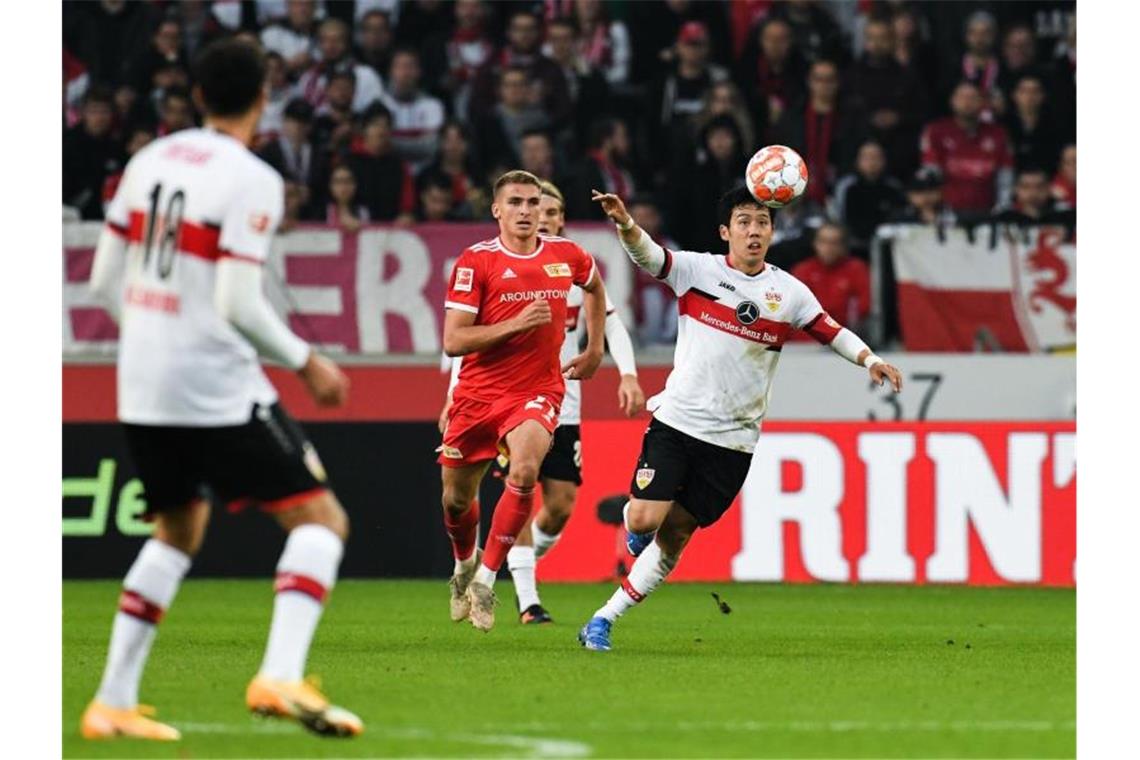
(561, 469)
(736, 311)
(179, 265)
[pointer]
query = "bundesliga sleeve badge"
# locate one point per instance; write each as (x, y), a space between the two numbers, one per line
(464, 276)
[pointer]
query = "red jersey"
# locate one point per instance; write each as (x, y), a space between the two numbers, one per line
(495, 284)
(843, 290)
(969, 162)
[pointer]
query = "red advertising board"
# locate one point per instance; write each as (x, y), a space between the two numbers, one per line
(977, 503)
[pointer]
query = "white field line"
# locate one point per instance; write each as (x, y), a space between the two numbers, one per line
(523, 746)
(817, 726)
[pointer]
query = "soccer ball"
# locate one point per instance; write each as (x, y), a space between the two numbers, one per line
(776, 176)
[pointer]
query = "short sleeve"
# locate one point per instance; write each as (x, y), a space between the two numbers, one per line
(252, 218)
(680, 270)
(810, 317)
(465, 288)
(584, 267)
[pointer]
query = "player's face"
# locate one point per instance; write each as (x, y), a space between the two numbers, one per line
(551, 218)
(749, 233)
(516, 208)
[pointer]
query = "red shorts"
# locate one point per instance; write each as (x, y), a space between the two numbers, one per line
(476, 429)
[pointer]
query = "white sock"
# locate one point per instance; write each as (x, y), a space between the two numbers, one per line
(148, 590)
(465, 565)
(520, 561)
(542, 541)
(645, 575)
(485, 575)
(306, 573)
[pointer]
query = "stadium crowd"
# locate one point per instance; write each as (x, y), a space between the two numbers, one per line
(405, 110)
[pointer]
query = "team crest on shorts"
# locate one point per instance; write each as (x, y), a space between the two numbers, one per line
(450, 452)
(313, 462)
(644, 477)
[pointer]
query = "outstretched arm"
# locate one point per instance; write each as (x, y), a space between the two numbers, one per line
(640, 247)
(852, 348)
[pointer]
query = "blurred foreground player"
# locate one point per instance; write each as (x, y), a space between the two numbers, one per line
(736, 312)
(561, 469)
(505, 314)
(180, 266)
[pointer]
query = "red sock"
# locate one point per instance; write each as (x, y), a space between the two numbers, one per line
(462, 530)
(511, 514)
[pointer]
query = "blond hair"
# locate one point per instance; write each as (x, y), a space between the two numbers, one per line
(515, 177)
(549, 188)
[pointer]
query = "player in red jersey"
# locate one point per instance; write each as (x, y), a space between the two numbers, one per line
(505, 313)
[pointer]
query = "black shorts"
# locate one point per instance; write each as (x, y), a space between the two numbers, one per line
(267, 461)
(702, 477)
(564, 460)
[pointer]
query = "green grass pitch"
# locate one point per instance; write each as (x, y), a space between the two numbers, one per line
(792, 671)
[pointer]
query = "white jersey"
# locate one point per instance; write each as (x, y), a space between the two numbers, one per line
(187, 200)
(729, 335)
(571, 411)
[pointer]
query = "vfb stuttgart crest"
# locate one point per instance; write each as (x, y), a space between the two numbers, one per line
(772, 300)
(644, 477)
(747, 312)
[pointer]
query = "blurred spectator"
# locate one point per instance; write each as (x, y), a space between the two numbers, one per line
(385, 181)
(587, 88)
(698, 183)
(176, 112)
(332, 45)
(107, 34)
(819, 128)
(435, 200)
(375, 41)
(291, 152)
(603, 168)
(292, 36)
(603, 43)
(679, 94)
(131, 111)
(867, 197)
(1033, 134)
(1064, 186)
(653, 300)
(422, 20)
(980, 64)
(536, 154)
(168, 76)
(344, 210)
(468, 48)
(1018, 58)
(416, 116)
(1063, 93)
(771, 73)
(925, 204)
(974, 158)
(814, 30)
(523, 51)
(913, 49)
(296, 198)
(200, 25)
(888, 97)
(332, 128)
(454, 161)
(724, 99)
(1032, 200)
(841, 282)
(137, 139)
(792, 233)
(90, 153)
(76, 80)
(654, 27)
(280, 93)
(499, 133)
(165, 49)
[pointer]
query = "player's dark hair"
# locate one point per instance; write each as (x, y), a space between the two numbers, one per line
(230, 75)
(739, 196)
